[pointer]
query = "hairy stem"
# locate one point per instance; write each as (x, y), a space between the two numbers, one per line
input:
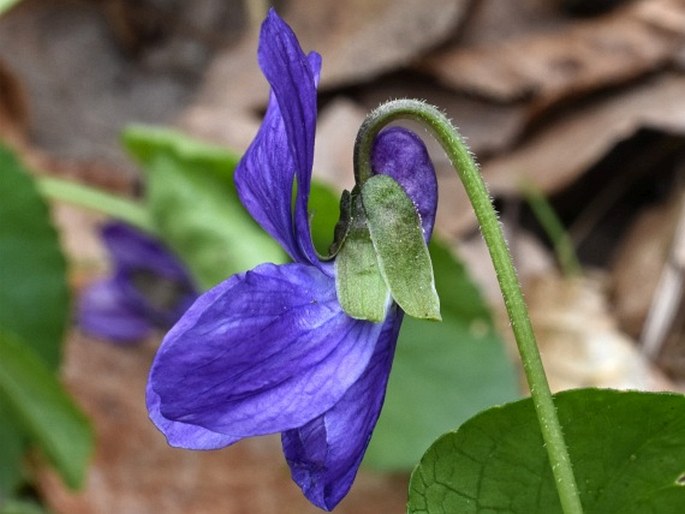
(115, 206)
(464, 164)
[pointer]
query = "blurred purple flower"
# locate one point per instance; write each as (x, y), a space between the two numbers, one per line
(271, 350)
(149, 288)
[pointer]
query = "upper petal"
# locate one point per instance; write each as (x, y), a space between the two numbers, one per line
(284, 145)
(262, 352)
(401, 154)
(292, 80)
(264, 181)
(324, 455)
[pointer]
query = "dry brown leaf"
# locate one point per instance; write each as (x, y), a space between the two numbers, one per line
(489, 128)
(336, 131)
(176, 34)
(13, 108)
(223, 125)
(359, 39)
(81, 89)
(531, 259)
(579, 340)
(637, 264)
(567, 147)
(672, 356)
(668, 295)
(496, 21)
(642, 264)
(588, 56)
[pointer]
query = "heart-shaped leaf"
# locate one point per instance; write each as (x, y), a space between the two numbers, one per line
(627, 451)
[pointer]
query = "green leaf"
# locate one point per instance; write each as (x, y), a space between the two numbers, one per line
(193, 202)
(402, 253)
(6, 5)
(34, 297)
(324, 213)
(443, 373)
(460, 297)
(627, 449)
(554, 228)
(21, 507)
(145, 143)
(129, 211)
(362, 292)
(12, 446)
(46, 412)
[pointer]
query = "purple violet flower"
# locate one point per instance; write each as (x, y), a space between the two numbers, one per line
(271, 350)
(149, 288)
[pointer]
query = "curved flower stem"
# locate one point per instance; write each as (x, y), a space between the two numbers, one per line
(121, 208)
(463, 162)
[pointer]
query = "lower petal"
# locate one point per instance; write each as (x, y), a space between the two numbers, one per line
(324, 455)
(263, 352)
(183, 435)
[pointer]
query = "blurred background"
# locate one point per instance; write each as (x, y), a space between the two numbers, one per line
(574, 108)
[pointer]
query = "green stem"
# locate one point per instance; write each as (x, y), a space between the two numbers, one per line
(553, 227)
(115, 206)
(463, 162)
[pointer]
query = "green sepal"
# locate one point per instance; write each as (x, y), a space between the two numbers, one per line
(403, 258)
(362, 292)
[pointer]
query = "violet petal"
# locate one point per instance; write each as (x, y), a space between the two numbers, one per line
(264, 181)
(324, 455)
(131, 249)
(293, 78)
(151, 280)
(402, 155)
(183, 435)
(265, 351)
(103, 311)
